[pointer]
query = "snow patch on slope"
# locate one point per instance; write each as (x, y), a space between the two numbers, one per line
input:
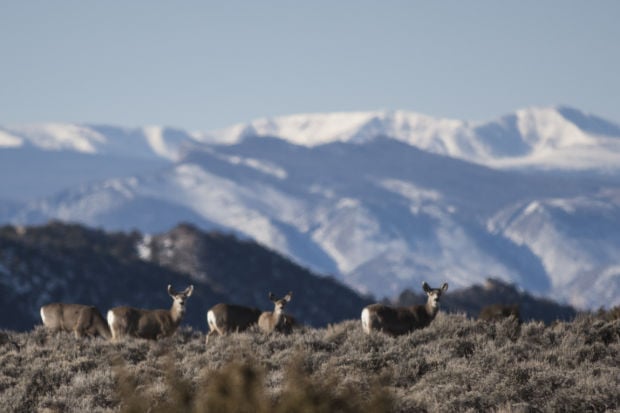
(142, 143)
(144, 248)
(245, 208)
(57, 136)
(9, 141)
(262, 166)
(155, 137)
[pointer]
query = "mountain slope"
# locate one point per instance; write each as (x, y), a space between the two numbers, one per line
(577, 239)
(382, 215)
(31, 173)
(381, 200)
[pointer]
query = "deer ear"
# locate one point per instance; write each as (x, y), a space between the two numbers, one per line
(188, 291)
(444, 287)
(271, 296)
(170, 292)
(427, 288)
(288, 296)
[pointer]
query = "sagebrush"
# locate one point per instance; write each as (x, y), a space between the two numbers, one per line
(455, 364)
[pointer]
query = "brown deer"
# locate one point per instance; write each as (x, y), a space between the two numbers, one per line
(497, 312)
(82, 320)
(226, 318)
(402, 320)
(276, 321)
(149, 324)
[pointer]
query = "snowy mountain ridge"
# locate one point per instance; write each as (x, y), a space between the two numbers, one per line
(146, 142)
(547, 137)
(555, 137)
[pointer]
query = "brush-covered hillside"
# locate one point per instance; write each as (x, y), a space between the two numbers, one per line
(454, 365)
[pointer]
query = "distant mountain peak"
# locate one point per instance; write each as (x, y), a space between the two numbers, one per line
(588, 122)
(312, 129)
(543, 137)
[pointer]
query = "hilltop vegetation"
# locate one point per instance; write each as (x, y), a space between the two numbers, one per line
(455, 364)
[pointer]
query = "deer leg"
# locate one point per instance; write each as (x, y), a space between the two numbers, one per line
(210, 333)
(78, 332)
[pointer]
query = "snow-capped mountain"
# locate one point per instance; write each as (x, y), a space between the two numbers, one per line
(558, 137)
(151, 142)
(383, 200)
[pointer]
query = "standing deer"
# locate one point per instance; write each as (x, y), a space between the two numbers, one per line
(149, 324)
(276, 320)
(226, 318)
(402, 320)
(498, 312)
(82, 320)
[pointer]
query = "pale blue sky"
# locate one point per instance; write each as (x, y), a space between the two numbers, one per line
(202, 65)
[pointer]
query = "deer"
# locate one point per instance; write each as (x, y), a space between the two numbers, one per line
(497, 312)
(82, 320)
(149, 324)
(225, 318)
(397, 321)
(276, 321)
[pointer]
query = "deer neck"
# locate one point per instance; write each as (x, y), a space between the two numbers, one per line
(432, 307)
(177, 312)
(278, 314)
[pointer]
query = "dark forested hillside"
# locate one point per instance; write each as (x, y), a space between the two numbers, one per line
(72, 263)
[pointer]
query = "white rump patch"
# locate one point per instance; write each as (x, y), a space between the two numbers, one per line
(366, 320)
(111, 318)
(211, 320)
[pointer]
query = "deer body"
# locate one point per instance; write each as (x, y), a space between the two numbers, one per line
(82, 320)
(402, 320)
(497, 312)
(149, 324)
(270, 321)
(226, 318)
(287, 324)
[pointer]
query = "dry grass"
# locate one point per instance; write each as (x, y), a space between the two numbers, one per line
(455, 364)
